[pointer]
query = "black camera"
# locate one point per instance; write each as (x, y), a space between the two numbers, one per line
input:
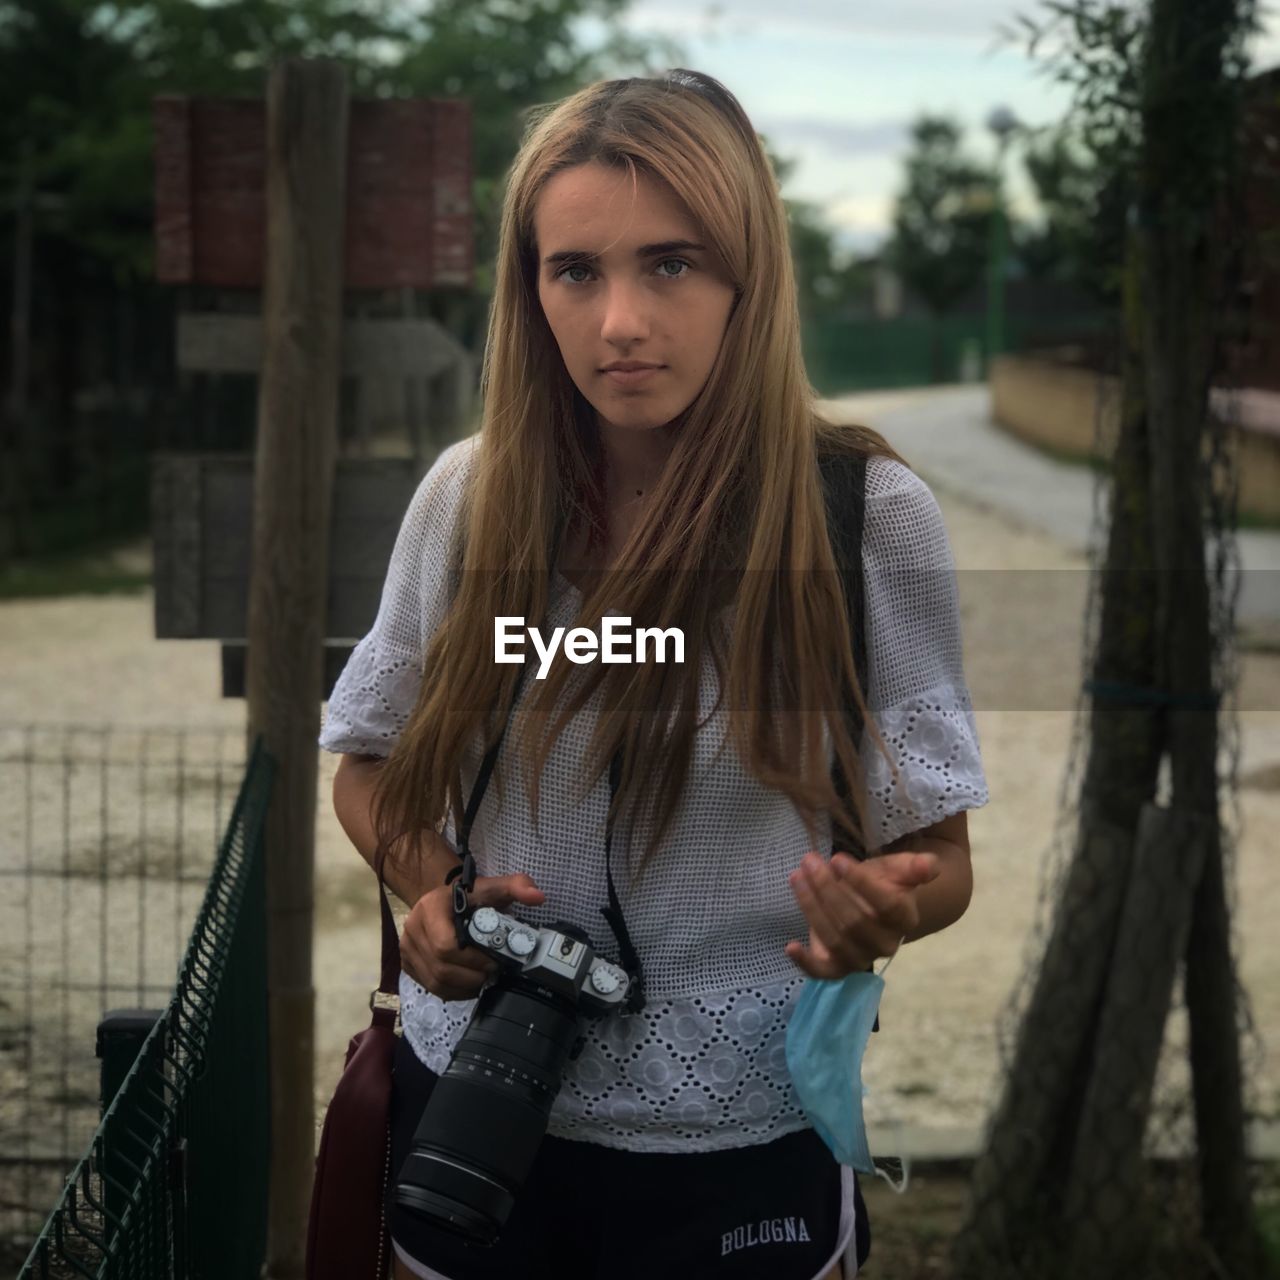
(488, 1112)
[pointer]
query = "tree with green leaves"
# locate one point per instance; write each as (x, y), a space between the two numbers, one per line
(1082, 198)
(941, 221)
(822, 283)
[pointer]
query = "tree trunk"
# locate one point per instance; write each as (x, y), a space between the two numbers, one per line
(1019, 1179)
(1104, 1208)
(1191, 123)
(1090, 1041)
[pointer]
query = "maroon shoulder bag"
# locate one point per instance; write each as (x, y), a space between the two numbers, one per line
(347, 1236)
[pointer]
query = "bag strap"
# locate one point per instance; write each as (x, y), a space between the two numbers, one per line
(844, 486)
(389, 980)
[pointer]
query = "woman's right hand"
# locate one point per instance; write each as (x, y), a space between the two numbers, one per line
(429, 951)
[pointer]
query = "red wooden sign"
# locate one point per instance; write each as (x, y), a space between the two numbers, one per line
(408, 218)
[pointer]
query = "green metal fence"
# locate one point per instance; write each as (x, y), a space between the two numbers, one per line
(865, 354)
(174, 1183)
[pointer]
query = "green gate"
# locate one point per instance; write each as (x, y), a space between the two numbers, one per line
(174, 1183)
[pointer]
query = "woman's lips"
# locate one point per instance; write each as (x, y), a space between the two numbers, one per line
(632, 377)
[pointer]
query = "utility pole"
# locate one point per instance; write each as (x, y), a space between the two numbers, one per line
(1003, 123)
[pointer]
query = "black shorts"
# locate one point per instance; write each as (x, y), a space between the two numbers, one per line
(784, 1210)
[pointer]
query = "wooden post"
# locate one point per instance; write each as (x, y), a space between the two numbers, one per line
(13, 449)
(294, 464)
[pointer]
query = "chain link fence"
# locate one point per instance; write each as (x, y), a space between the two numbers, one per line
(107, 838)
(174, 1183)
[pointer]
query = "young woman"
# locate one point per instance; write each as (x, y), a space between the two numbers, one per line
(649, 445)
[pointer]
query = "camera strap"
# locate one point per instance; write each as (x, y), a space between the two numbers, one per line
(463, 876)
(613, 912)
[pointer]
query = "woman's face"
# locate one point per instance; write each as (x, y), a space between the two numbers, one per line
(623, 277)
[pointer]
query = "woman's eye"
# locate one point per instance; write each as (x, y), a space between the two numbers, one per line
(563, 273)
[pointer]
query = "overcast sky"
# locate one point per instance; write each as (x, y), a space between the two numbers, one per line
(834, 83)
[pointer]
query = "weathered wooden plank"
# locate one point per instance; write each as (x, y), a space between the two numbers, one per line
(202, 527)
(371, 348)
(172, 188)
(176, 507)
(418, 348)
(234, 656)
(452, 242)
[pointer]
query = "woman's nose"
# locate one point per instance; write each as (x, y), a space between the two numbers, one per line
(626, 316)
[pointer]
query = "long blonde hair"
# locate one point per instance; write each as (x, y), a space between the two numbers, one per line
(740, 503)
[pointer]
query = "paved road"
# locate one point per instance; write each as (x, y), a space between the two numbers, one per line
(946, 433)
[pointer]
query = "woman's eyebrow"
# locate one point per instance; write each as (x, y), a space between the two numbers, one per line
(644, 251)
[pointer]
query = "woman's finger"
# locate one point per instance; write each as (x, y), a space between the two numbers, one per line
(502, 891)
(814, 960)
(886, 882)
(834, 910)
(440, 938)
(822, 923)
(476, 959)
(450, 982)
(434, 951)
(430, 925)
(893, 911)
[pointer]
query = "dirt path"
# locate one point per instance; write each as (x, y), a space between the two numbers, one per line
(935, 1067)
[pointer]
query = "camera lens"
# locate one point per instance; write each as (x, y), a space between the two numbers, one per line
(481, 1127)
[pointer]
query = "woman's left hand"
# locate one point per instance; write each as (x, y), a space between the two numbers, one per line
(857, 911)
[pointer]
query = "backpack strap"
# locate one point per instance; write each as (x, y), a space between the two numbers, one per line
(844, 487)
(844, 482)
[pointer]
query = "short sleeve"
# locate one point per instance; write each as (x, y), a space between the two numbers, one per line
(374, 696)
(916, 690)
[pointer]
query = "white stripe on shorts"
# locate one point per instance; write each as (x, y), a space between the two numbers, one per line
(418, 1268)
(846, 1252)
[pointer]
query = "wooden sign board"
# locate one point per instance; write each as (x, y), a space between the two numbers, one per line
(221, 343)
(234, 656)
(202, 529)
(409, 209)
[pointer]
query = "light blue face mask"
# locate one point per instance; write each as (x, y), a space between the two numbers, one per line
(826, 1038)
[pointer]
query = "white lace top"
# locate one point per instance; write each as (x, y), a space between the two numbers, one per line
(703, 1067)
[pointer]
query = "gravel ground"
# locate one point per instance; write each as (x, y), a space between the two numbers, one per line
(93, 660)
